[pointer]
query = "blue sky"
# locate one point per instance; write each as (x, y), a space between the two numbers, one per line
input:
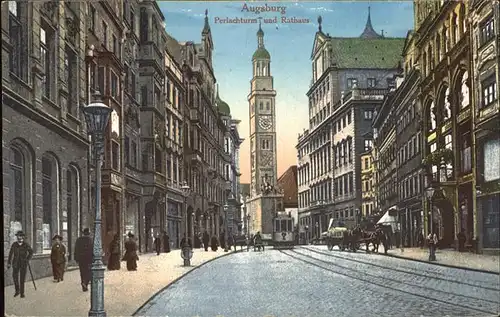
(290, 47)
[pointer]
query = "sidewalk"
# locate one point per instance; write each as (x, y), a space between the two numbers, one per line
(124, 292)
(451, 258)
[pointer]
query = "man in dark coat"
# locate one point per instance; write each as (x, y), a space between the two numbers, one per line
(206, 240)
(214, 243)
(157, 243)
(114, 253)
(83, 256)
(58, 258)
(131, 253)
(19, 255)
(166, 242)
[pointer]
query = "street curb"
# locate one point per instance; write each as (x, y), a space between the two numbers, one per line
(443, 264)
(177, 279)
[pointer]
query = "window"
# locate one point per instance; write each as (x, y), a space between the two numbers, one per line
(351, 82)
(261, 106)
(132, 85)
(114, 86)
(268, 106)
(17, 53)
(143, 27)
(92, 18)
(133, 154)
(18, 195)
(175, 171)
(169, 167)
(46, 58)
(158, 160)
(115, 156)
(367, 164)
(49, 192)
(489, 88)
(265, 145)
(487, 31)
(226, 145)
(371, 82)
(70, 77)
(101, 79)
(116, 45)
(127, 150)
(368, 114)
(144, 95)
(368, 145)
(105, 34)
(349, 117)
(132, 21)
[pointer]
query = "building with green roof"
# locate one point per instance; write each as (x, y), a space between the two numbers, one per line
(350, 78)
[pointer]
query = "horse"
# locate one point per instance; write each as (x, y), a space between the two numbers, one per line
(376, 238)
(350, 240)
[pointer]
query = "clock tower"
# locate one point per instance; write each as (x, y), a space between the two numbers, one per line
(262, 120)
(265, 198)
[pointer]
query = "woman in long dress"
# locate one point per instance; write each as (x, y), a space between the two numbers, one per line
(114, 253)
(130, 255)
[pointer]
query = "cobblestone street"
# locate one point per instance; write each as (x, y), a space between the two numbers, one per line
(312, 281)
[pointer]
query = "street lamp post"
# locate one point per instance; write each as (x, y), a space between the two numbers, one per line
(317, 232)
(226, 209)
(97, 117)
(248, 225)
(432, 247)
(185, 190)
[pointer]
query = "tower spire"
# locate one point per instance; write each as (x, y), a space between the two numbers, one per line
(320, 19)
(369, 32)
(206, 27)
(260, 35)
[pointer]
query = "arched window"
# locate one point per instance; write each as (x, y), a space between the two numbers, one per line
(432, 117)
(464, 91)
(438, 48)
(73, 207)
(424, 63)
(20, 193)
(446, 105)
(50, 201)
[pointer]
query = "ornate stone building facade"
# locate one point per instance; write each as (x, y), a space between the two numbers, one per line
(44, 140)
(350, 77)
(485, 50)
(265, 198)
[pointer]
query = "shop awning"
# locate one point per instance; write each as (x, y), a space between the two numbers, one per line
(387, 219)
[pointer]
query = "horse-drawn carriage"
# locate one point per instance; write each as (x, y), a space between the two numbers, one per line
(352, 239)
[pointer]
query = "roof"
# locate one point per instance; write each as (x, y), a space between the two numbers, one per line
(288, 183)
(369, 32)
(222, 106)
(174, 48)
(261, 53)
(367, 53)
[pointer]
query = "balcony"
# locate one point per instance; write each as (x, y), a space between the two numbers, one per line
(111, 178)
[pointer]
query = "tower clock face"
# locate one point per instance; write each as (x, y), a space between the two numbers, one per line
(265, 123)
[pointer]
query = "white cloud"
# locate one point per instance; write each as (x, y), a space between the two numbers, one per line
(321, 9)
(186, 10)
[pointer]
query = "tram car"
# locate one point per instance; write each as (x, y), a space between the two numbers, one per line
(283, 231)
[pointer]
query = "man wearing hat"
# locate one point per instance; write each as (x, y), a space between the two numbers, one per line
(58, 258)
(83, 256)
(19, 256)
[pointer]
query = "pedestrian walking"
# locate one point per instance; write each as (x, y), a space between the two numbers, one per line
(157, 243)
(214, 244)
(461, 240)
(206, 240)
(83, 256)
(130, 255)
(58, 258)
(114, 253)
(19, 256)
(166, 242)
